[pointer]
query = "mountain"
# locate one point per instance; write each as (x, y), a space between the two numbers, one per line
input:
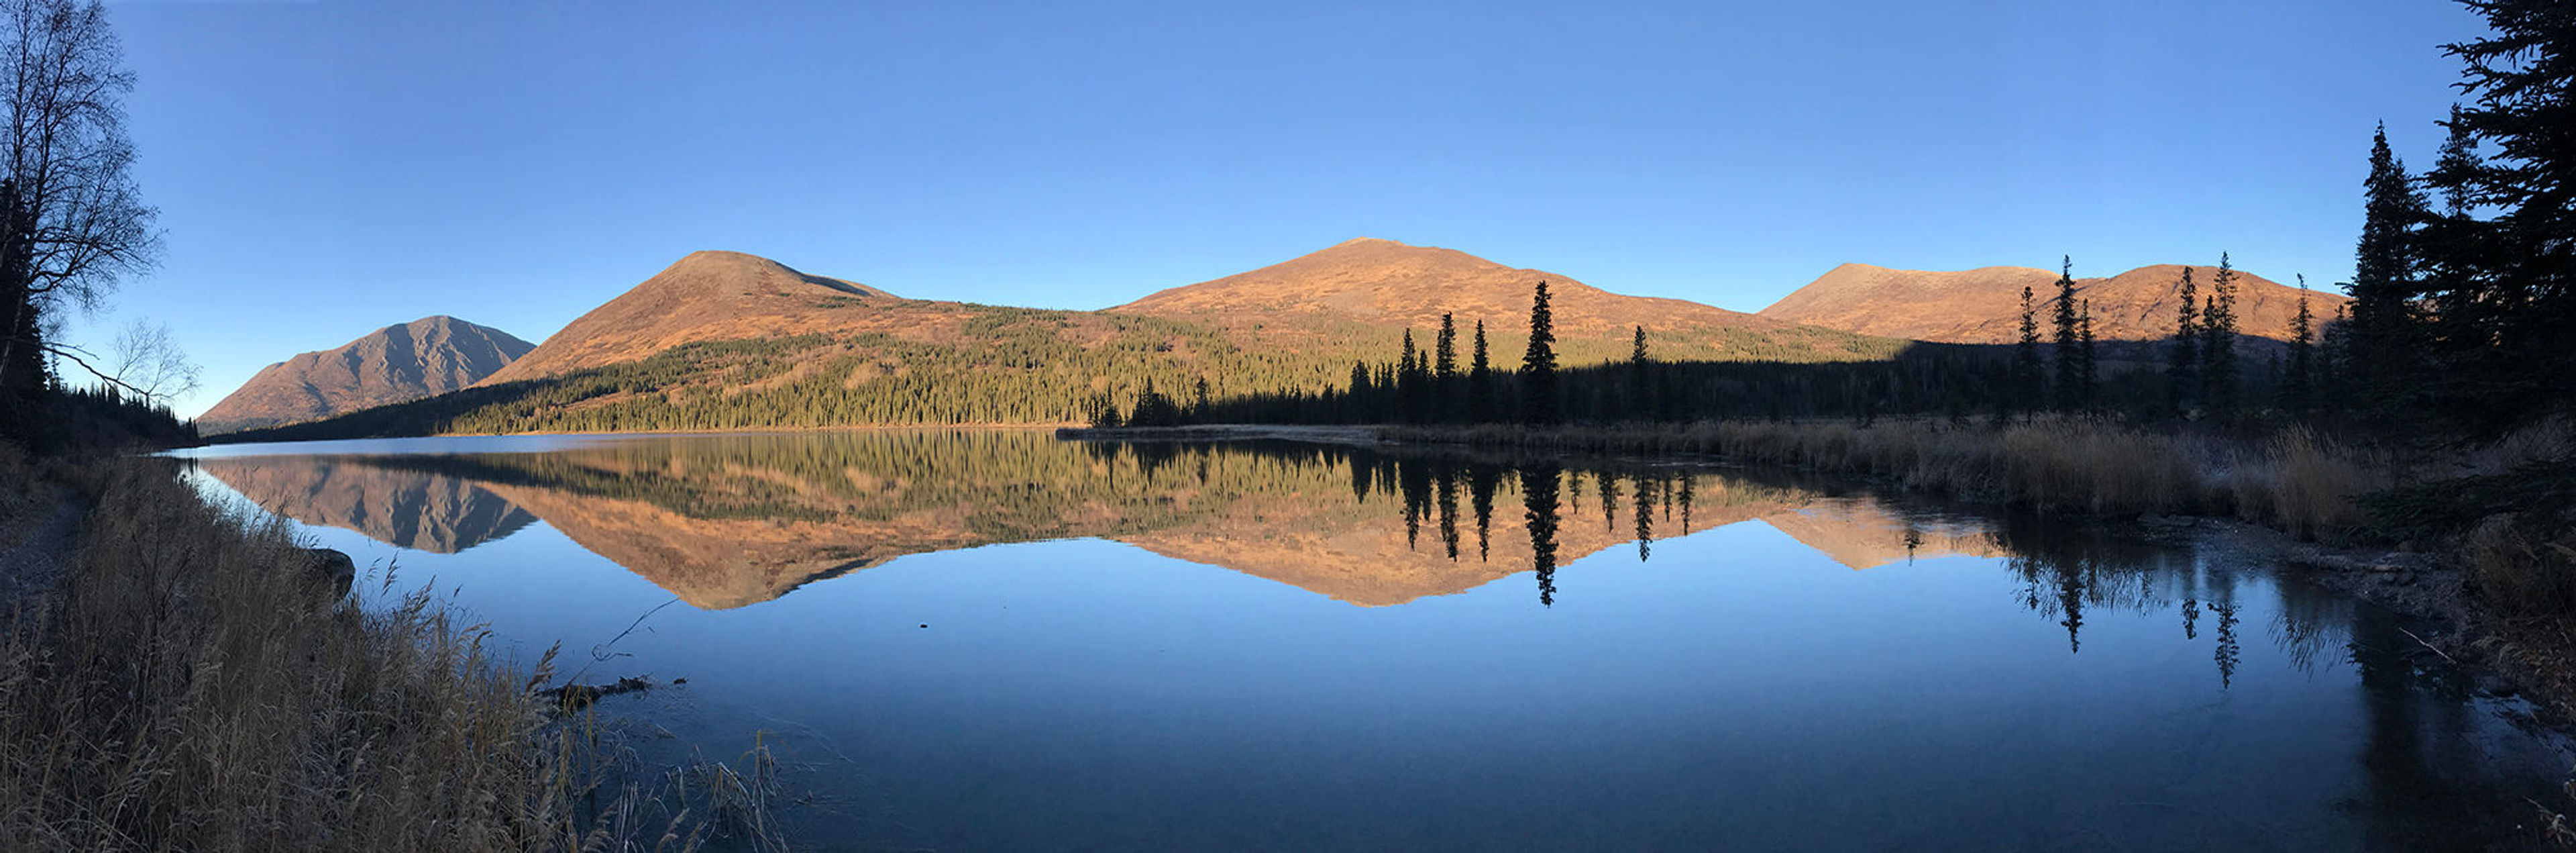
(1983, 306)
(725, 340)
(1387, 285)
(422, 358)
(707, 296)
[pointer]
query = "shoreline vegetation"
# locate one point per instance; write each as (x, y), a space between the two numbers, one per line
(172, 679)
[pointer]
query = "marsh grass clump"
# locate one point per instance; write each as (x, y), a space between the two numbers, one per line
(183, 689)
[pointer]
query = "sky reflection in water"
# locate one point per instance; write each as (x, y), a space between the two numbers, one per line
(1273, 647)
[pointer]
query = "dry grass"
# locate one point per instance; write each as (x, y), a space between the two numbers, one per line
(184, 690)
(2297, 481)
(2522, 571)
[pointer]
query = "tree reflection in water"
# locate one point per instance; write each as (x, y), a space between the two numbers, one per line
(737, 520)
(1538, 511)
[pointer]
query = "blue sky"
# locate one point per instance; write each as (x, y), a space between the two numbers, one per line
(327, 168)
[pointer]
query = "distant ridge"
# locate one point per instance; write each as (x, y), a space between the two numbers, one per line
(422, 358)
(1983, 306)
(1390, 283)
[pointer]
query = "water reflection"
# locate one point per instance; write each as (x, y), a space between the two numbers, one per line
(1650, 699)
(729, 521)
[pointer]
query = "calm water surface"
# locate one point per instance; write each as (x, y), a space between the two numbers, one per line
(998, 641)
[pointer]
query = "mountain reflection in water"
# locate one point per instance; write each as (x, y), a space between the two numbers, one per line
(735, 520)
(2170, 685)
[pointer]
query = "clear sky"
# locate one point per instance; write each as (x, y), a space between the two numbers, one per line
(327, 168)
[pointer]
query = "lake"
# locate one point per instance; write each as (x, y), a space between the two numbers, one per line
(995, 640)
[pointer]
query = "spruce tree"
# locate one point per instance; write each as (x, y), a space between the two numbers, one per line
(2182, 353)
(2089, 376)
(1409, 379)
(1445, 348)
(1538, 365)
(2383, 339)
(2298, 379)
(2334, 361)
(1640, 381)
(1480, 381)
(2509, 312)
(1444, 371)
(2070, 365)
(2026, 390)
(2221, 374)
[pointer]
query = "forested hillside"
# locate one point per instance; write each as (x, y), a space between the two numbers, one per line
(729, 341)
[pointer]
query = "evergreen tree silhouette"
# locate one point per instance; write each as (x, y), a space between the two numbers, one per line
(1445, 366)
(2068, 357)
(1444, 371)
(1539, 404)
(2089, 356)
(2299, 381)
(2221, 374)
(2384, 320)
(2182, 352)
(2508, 278)
(2026, 390)
(1480, 381)
(1641, 387)
(1409, 381)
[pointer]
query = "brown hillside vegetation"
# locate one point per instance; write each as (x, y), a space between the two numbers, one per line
(707, 296)
(422, 358)
(724, 340)
(1983, 306)
(1384, 284)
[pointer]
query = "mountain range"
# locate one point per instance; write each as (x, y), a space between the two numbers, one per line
(729, 340)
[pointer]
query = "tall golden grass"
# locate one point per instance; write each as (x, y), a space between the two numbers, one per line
(2296, 480)
(185, 689)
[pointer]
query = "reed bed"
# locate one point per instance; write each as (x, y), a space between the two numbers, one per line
(187, 687)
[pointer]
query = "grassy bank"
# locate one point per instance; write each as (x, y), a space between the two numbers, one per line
(185, 686)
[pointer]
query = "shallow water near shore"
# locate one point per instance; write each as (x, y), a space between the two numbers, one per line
(994, 640)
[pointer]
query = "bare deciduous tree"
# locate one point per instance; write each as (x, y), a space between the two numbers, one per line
(71, 222)
(147, 361)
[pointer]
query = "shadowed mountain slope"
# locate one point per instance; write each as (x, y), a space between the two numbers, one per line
(422, 358)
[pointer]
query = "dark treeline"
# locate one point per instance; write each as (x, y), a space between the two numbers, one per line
(51, 418)
(2075, 374)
